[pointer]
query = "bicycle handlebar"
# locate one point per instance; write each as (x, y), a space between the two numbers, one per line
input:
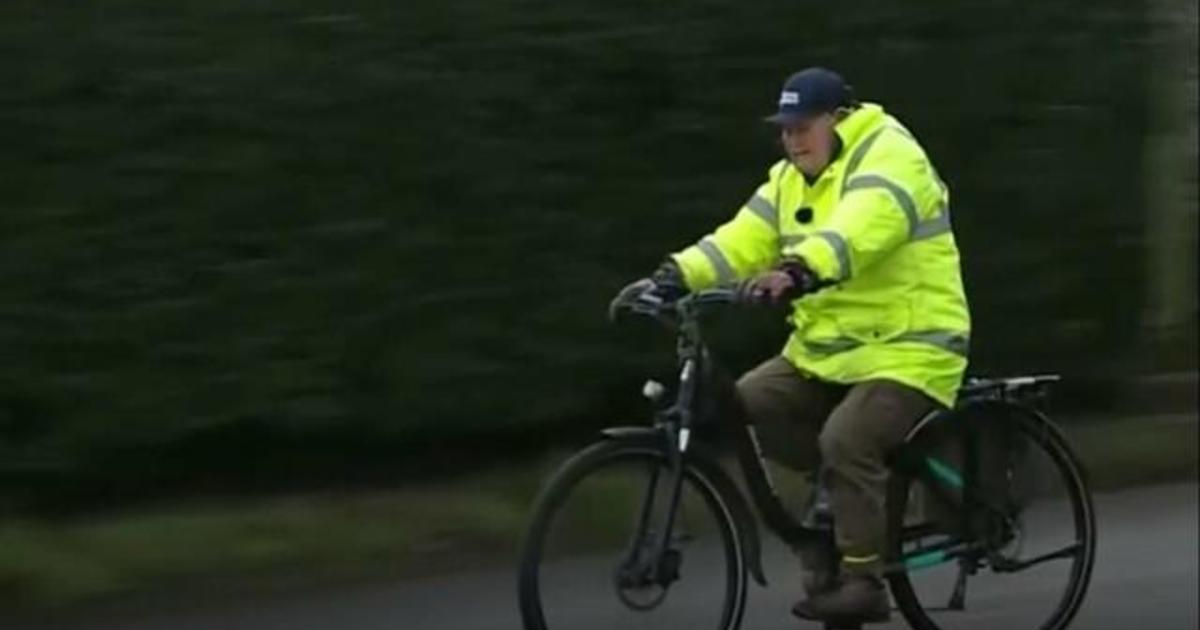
(691, 305)
(688, 306)
(713, 297)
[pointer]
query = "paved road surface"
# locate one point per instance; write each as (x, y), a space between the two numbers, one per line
(1145, 579)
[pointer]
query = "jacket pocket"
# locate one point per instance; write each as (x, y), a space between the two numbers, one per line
(875, 325)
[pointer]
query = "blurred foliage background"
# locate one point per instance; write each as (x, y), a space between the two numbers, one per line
(296, 243)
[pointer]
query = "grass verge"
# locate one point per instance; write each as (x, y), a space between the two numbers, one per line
(260, 544)
(389, 533)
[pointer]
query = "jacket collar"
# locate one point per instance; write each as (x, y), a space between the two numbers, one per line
(867, 118)
(850, 131)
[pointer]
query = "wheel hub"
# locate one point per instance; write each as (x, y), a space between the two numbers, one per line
(644, 588)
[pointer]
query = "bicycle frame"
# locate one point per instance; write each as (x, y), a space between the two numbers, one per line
(704, 386)
(702, 381)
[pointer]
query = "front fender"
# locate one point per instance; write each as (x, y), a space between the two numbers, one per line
(634, 433)
(706, 463)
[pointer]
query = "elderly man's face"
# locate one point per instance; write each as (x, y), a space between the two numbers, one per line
(809, 143)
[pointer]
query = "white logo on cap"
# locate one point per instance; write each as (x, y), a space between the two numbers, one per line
(789, 98)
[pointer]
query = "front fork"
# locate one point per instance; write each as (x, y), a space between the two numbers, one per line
(661, 564)
(650, 558)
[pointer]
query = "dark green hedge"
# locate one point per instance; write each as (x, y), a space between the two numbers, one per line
(288, 240)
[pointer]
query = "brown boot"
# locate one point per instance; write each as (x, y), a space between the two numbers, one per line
(819, 560)
(855, 600)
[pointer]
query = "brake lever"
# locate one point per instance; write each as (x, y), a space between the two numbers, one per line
(646, 303)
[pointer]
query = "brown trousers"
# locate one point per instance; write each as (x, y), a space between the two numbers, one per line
(801, 421)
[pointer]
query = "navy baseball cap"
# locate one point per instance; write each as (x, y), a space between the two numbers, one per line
(810, 92)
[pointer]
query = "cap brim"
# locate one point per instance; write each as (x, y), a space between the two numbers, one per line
(790, 118)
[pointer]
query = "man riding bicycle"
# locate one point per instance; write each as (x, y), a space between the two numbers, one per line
(852, 228)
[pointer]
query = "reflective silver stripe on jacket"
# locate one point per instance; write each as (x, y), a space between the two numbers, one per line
(725, 272)
(793, 239)
(860, 152)
(840, 249)
(918, 230)
(764, 210)
(936, 226)
(903, 199)
(951, 341)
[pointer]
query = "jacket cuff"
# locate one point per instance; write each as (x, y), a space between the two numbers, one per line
(819, 255)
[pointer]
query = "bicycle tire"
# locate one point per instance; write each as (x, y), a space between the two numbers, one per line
(588, 461)
(1051, 439)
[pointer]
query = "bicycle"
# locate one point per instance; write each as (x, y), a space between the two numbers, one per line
(988, 489)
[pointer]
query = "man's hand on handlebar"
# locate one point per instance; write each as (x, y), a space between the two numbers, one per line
(769, 287)
(664, 286)
(790, 280)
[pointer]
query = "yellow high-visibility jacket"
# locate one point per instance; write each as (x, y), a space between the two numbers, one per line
(878, 221)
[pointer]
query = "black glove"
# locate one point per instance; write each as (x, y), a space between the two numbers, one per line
(627, 295)
(768, 287)
(804, 280)
(790, 280)
(668, 281)
(665, 284)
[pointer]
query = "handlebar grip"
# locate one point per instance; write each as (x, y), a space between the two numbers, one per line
(716, 296)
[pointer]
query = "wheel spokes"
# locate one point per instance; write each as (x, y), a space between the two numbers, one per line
(1008, 565)
(611, 556)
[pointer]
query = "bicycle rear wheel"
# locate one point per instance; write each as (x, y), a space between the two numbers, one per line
(599, 516)
(1029, 557)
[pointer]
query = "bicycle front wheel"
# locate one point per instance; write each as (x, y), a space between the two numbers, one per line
(1027, 557)
(591, 556)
